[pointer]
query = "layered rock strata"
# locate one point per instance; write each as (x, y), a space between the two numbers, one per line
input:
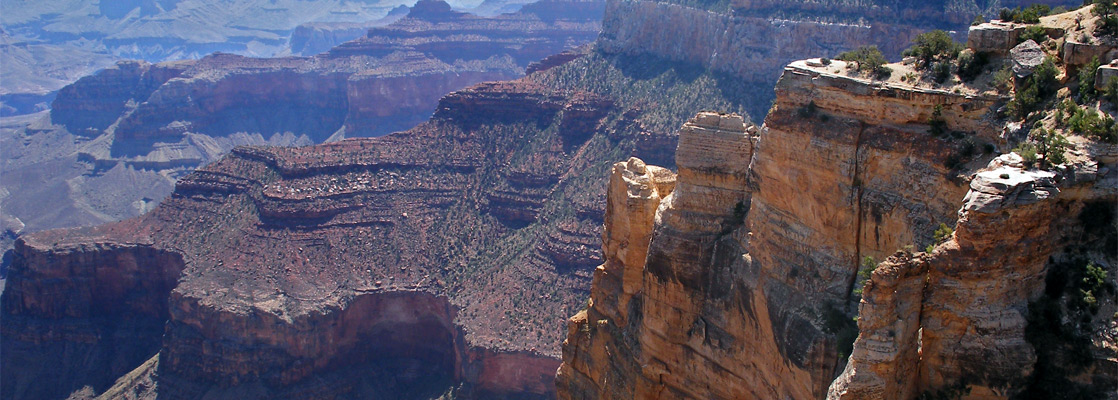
(750, 296)
(961, 316)
(118, 139)
(431, 259)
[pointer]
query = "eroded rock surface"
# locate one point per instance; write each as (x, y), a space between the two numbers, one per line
(844, 171)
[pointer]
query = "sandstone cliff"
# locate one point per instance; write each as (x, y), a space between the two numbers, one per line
(743, 289)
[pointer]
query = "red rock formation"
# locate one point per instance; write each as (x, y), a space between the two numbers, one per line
(438, 250)
(91, 310)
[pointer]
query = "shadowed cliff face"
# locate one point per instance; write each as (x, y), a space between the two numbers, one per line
(82, 315)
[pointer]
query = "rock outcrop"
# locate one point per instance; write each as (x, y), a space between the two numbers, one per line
(746, 286)
(801, 231)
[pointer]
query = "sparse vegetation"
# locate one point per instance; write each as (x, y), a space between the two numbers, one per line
(1037, 88)
(842, 326)
(1027, 151)
(1029, 15)
(1035, 33)
(1050, 146)
(933, 46)
(937, 126)
(869, 60)
(1087, 74)
(1110, 91)
(1002, 80)
(942, 233)
(865, 271)
(1057, 328)
(1107, 12)
(1089, 123)
(968, 65)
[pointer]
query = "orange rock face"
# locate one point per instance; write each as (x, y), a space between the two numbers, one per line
(754, 256)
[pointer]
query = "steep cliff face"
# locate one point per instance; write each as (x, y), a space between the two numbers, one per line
(968, 315)
(92, 312)
(746, 287)
(750, 296)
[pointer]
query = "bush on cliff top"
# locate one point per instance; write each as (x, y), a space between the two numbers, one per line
(1030, 15)
(1108, 16)
(869, 60)
(932, 46)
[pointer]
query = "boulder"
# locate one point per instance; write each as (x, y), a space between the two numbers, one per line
(1026, 57)
(994, 36)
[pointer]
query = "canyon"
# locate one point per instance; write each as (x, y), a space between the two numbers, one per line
(284, 253)
(735, 277)
(116, 141)
(444, 260)
(117, 158)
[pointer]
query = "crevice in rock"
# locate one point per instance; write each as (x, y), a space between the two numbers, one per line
(856, 194)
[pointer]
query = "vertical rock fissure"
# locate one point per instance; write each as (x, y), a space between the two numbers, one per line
(856, 187)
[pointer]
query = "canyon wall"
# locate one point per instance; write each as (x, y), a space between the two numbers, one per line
(118, 139)
(754, 40)
(743, 287)
(290, 252)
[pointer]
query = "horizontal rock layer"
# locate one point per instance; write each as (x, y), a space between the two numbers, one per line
(752, 307)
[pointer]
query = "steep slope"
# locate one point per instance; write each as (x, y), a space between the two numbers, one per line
(752, 261)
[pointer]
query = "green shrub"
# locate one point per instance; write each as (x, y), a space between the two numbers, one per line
(1108, 17)
(1002, 80)
(1030, 15)
(940, 71)
(1110, 91)
(869, 59)
(865, 272)
(1037, 88)
(1090, 124)
(969, 64)
(1035, 33)
(978, 20)
(1050, 145)
(937, 126)
(942, 233)
(931, 46)
(1027, 151)
(1087, 80)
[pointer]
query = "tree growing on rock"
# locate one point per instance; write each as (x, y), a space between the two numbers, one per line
(869, 60)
